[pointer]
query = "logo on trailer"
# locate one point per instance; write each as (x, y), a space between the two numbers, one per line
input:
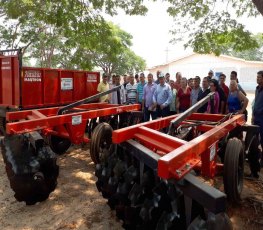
(66, 83)
(32, 76)
(92, 78)
(5, 65)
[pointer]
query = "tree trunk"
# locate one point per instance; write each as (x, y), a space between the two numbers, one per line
(259, 5)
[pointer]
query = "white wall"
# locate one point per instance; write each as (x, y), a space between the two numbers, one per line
(199, 65)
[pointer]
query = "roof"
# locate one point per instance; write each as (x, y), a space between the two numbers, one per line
(194, 54)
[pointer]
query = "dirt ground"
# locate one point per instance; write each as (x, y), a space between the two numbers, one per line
(76, 203)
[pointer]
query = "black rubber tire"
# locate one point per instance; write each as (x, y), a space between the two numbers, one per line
(58, 144)
(101, 139)
(234, 170)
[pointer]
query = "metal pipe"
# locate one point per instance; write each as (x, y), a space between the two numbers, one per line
(189, 111)
(88, 99)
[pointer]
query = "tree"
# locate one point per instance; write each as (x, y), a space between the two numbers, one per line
(210, 26)
(255, 54)
(67, 34)
(112, 54)
(85, 46)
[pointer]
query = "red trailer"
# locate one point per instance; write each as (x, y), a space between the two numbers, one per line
(29, 87)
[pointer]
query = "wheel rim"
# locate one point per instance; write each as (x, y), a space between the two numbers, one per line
(101, 144)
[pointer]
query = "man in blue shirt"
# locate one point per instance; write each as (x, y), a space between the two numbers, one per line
(257, 114)
(147, 99)
(162, 97)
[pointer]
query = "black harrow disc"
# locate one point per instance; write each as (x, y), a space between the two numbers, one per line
(234, 169)
(32, 173)
(144, 201)
(2, 125)
(59, 145)
(101, 143)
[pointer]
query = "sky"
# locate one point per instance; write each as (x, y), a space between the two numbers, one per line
(151, 33)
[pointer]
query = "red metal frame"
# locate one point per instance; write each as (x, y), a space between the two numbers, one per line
(179, 157)
(49, 122)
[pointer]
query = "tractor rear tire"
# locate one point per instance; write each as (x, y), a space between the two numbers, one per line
(234, 170)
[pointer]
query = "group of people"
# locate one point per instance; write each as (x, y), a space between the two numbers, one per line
(163, 97)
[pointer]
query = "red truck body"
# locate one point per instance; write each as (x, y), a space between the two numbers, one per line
(30, 87)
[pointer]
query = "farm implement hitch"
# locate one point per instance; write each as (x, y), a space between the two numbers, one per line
(152, 179)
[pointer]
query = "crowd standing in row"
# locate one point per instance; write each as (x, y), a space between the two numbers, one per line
(164, 97)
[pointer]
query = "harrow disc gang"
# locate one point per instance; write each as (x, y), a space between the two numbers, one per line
(32, 172)
(145, 201)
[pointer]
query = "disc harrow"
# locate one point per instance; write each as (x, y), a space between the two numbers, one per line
(149, 177)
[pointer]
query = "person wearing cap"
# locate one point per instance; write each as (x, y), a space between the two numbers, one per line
(162, 97)
(103, 87)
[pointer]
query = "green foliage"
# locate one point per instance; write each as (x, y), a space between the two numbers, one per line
(73, 33)
(65, 33)
(209, 25)
(255, 54)
(112, 54)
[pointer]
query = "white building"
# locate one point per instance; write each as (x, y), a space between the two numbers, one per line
(199, 64)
